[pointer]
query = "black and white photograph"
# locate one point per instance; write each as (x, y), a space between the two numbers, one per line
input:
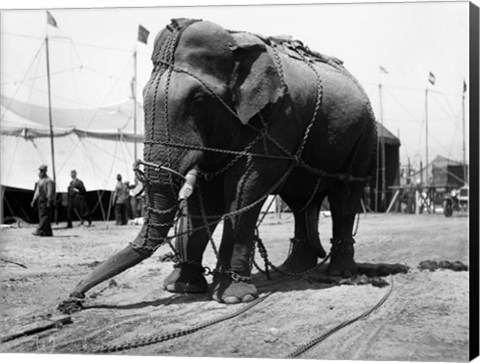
(239, 180)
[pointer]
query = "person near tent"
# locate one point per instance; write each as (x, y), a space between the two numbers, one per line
(136, 191)
(119, 199)
(44, 197)
(77, 201)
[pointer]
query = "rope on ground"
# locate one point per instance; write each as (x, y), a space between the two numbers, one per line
(305, 347)
(179, 333)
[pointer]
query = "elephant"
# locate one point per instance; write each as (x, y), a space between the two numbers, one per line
(251, 116)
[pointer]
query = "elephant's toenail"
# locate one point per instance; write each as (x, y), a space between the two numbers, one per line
(231, 300)
(248, 298)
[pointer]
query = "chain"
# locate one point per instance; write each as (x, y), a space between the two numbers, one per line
(263, 253)
(265, 212)
(181, 332)
(261, 247)
(209, 176)
(231, 274)
(263, 197)
(205, 221)
(169, 63)
(170, 59)
(161, 211)
(317, 105)
(217, 150)
(191, 263)
(173, 67)
(155, 84)
(160, 225)
(241, 210)
(179, 261)
(314, 192)
(305, 347)
(278, 65)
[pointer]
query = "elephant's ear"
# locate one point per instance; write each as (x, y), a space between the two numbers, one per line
(255, 81)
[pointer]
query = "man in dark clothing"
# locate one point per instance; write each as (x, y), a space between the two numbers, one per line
(119, 200)
(44, 196)
(76, 201)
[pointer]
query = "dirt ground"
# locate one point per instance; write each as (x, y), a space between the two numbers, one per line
(425, 318)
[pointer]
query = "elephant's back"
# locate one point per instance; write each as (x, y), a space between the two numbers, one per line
(338, 87)
(344, 115)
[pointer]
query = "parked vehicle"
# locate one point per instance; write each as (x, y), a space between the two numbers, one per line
(456, 200)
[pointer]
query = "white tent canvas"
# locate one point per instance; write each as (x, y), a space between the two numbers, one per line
(97, 153)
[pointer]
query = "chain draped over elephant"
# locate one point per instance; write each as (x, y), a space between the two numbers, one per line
(299, 126)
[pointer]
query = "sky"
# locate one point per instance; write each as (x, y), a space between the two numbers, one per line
(91, 57)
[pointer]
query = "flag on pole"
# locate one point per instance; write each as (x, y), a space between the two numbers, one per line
(51, 20)
(383, 70)
(143, 34)
(464, 86)
(431, 78)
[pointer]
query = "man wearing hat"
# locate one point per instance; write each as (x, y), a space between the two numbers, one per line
(44, 196)
(77, 201)
(119, 201)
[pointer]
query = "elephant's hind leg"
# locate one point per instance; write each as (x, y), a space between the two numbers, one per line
(303, 255)
(344, 205)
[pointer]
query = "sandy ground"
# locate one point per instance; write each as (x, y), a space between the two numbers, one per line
(425, 318)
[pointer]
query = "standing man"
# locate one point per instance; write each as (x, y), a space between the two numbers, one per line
(76, 201)
(119, 200)
(44, 196)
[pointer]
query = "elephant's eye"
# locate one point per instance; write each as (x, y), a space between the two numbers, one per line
(198, 98)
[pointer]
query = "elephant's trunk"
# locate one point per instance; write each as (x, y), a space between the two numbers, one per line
(117, 263)
(161, 206)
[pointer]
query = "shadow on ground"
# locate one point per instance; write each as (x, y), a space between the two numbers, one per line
(368, 274)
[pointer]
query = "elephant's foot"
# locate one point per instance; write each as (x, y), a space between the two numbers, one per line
(227, 291)
(341, 259)
(302, 257)
(186, 278)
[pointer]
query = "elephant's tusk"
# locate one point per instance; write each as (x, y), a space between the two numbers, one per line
(187, 189)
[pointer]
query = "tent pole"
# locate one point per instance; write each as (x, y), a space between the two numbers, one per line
(109, 206)
(134, 91)
(426, 135)
(1, 204)
(50, 110)
(382, 141)
(101, 205)
(376, 174)
(465, 175)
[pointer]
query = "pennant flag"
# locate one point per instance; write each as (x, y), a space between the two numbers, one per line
(383, 70)
(431, 78)
(51, 20)
(464, 86)
(143, 34)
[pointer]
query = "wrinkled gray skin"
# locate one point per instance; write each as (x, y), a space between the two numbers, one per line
(240, 69)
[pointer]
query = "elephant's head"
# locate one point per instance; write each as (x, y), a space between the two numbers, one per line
(206, 85)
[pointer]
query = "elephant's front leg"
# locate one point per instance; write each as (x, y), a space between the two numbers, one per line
(246, 185)
(204, 210)
(231, 282)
